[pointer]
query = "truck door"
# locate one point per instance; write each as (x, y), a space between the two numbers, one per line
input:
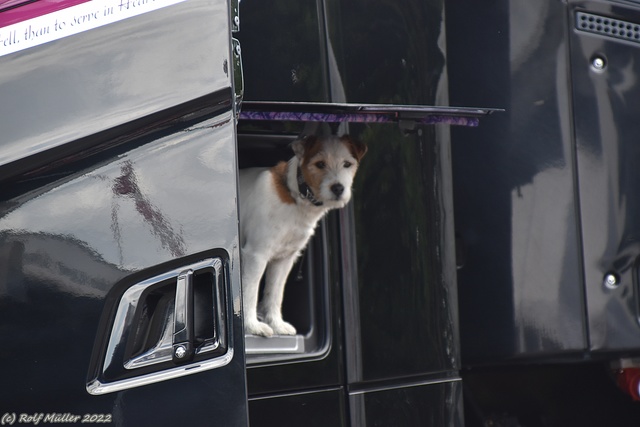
(323, 374)
(119, 270)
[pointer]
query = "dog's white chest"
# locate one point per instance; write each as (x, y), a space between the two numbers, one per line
(269, 227)
(291, 231)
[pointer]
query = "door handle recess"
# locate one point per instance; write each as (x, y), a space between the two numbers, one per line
(167, 326)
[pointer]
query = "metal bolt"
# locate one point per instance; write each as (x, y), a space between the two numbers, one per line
(611, 281)
(238, 49)
(236, 20)
(180, 352)
(598, 63)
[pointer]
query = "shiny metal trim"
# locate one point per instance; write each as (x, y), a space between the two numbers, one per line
(398, 111)
(208, 346)
(295, 394)
(278, 344)
(183, 318)
(123, 321)
(98, 388)
(405, 385)
(160, 353)
(238, 75)
(235, 16)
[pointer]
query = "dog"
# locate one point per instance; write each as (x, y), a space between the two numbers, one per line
(279, 210)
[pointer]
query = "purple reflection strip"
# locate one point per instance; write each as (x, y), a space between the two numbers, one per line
(352, 117)
(451, 120)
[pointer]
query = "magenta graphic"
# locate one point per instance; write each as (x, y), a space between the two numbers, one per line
(14, 11)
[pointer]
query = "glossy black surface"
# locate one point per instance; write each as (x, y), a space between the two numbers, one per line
(404, 308)
(541, 395)
(130, 76)
(515, 195)
(282, 53)
(67, 243)
(387, 52)
(421, 405)
(401, 319)
(391, 252)
(313, 409)
(551, 210)
(145, 181)
(606, 108)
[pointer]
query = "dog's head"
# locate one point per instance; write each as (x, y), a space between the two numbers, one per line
(328, 166)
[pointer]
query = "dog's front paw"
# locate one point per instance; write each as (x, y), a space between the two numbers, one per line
(280, 327)
(257, 327)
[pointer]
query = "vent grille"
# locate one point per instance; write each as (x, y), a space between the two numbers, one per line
(608, 26)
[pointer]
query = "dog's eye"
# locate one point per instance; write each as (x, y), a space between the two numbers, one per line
(347, 164)
(321, 165)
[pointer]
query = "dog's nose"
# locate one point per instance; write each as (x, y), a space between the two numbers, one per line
(337, 189)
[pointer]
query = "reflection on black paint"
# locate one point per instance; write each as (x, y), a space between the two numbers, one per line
(281, 54)
(391, 52)
(126, 185)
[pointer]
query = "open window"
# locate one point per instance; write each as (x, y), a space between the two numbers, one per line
(305, 303)
(265, 131)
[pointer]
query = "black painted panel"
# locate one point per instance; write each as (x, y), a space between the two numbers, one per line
(402, 317)
(516, 212)
(425, 405)
(76, 236)
(316, 409)
(405, 309)
(606, 109)
(281, 51)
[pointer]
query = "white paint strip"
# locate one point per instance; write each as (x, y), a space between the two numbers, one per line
(73, 20)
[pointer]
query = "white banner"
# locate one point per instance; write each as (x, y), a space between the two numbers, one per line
(73, 20)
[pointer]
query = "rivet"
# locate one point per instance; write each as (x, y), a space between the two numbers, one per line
(180, 352)
(598, 63)
(611, 281)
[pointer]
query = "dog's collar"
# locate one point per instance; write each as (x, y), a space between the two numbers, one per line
(304, 190)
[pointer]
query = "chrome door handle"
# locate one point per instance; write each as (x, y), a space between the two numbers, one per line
(183, 333)
(169, 325)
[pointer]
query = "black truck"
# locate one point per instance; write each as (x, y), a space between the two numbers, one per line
(484, 274)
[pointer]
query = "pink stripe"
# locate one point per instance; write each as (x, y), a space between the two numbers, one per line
(25, 9)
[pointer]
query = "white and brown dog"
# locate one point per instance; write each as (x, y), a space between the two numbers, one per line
(279, 210)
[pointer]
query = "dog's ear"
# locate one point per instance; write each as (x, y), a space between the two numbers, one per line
(358, 148)
(299, 146)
